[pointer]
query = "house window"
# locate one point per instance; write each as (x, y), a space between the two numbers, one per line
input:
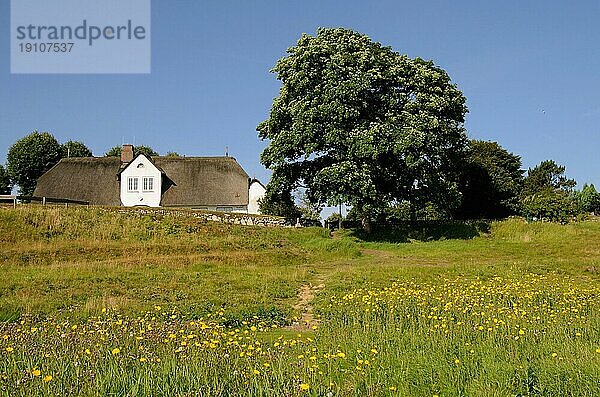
(148, 184)
(132, 184)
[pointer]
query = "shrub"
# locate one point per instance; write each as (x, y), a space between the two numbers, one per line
(551, 205)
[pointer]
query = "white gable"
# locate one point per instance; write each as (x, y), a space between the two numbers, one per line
(256, 192)
(141, 183)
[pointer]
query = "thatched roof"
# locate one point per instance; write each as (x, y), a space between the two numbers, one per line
(92, 179)
(201, 181)
(187, 181)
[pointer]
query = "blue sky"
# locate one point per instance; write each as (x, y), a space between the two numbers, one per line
(210, 83)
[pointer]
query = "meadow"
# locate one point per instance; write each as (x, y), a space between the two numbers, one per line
(99, 302)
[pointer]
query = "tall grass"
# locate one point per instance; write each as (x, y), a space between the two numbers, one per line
(104, 303)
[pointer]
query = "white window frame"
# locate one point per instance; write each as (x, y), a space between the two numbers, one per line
(133, 184)
(148, 184)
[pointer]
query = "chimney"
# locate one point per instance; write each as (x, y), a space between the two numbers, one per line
(127, 153)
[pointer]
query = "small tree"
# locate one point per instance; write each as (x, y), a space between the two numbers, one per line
(5, 184)
(30, 157)
(75, 149)
(547, 175)
(279, 204)
(309, 209)
(172, 154)
(546, 193)
(588, 199)
(147, 150)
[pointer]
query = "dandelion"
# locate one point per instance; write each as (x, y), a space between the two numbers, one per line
(47, 378)
(304, 386)
(116, 351)
(9, 349)
(554, 355)
(36, 372)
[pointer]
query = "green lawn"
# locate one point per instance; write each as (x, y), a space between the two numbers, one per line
(111, 303)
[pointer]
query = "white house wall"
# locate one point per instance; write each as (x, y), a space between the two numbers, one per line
(139, 169)
(256, 192)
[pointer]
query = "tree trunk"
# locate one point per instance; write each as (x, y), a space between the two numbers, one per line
(366, 224)
(413, 212)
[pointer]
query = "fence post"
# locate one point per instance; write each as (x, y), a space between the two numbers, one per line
(43, 201)
(15, 202)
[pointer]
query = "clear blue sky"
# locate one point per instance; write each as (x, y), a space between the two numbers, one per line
(210, 83)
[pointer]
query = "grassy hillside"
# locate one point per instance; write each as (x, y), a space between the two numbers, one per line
(132, 304)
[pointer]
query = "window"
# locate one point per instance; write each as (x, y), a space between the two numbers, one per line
(148, 184)
(132, 184)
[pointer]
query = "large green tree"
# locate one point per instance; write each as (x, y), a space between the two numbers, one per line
(491, 182)
(358, 123)
(75, 149)
(5, 183)
(30, 157)
(147, 150)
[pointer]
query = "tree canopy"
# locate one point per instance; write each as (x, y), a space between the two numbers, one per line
(546, 193)
(116, 151)
(547, 176)
(491, 182)
(358, 123)
(588, 199)
(75, 149)
(30, 157)
(5, 183)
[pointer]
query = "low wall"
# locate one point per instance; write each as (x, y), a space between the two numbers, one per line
(206, 216)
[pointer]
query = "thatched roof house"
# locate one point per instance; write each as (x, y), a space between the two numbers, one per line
(213, 183)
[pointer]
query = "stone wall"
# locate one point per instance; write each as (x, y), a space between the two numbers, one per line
(206, 216)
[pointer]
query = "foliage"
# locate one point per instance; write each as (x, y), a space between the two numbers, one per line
(358, 123)
(588, 199)
(548, 204)
(279, 204)
(309, 209)
(113, 152)
(491, 182)
(5, 183)
(75, 149)
(546, 191)
(172, 154)
(547, 175)
(147, 150)
(334, 217)
(30, 157)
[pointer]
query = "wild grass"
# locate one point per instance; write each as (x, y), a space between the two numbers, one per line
(109, 303)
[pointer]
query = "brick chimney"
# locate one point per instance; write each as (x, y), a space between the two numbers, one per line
(127, 153)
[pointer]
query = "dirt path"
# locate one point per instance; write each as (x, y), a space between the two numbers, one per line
(306, 294)
(378, 253)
